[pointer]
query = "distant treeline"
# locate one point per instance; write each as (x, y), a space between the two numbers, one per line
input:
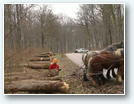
(96, 26)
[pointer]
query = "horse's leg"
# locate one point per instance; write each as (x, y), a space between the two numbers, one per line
(85, 77)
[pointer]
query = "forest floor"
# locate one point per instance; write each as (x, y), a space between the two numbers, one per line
(72, 74)
(15, 70)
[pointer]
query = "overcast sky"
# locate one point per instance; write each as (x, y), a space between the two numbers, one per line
(65, 9)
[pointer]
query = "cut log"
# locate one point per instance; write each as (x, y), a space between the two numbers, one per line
(31, 76)
(47, 53)
(16, 78)
(38, 66)
(39, 59)
(26, 72)
(36, 86)
(26, 77)
(44, 56)
(39, 62)
(53, 78)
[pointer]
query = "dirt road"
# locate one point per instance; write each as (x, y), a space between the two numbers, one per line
(76, 58)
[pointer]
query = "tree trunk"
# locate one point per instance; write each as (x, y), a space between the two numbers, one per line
(107, 22)
(38, 65)
(37, 86)
(39, 59)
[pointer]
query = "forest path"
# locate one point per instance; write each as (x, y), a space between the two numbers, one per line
(76, 58)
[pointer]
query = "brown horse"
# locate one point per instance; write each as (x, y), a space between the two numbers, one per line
(104, 65)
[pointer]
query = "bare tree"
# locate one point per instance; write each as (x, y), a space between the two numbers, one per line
(103, 23)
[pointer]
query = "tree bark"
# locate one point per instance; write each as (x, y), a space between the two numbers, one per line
(38, 66)
(37, 86)
(39, 59)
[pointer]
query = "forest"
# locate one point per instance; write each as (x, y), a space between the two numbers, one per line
(95, 27)
(34, 36)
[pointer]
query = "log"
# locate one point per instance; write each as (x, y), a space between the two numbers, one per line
(35, 75)
(47, 53)
(37, 86)
(53, 78)
(38, 66)
(114, 46)
(44, 56)
(39, 59)
(21, 77)
(38, 62)
(27, 72)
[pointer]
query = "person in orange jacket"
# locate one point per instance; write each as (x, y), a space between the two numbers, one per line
(54, 67)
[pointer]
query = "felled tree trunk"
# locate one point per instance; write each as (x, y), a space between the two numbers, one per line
(39, 62)
(39, 59)
(38, 66)
(37, 86)
(47, 53)
(24, 76)
(27, 72)
(46, 56)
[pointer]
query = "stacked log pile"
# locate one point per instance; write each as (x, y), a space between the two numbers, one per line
(41, 61)
(35, 81)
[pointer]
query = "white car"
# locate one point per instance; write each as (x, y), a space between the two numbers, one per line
(81, 50)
